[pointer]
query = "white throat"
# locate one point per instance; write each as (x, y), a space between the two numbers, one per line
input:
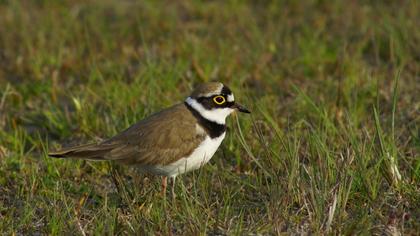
(217, 115)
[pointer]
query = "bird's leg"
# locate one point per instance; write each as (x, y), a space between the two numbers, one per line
(164, 184)
(173, 188)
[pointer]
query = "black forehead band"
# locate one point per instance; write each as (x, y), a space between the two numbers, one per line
(226, 90)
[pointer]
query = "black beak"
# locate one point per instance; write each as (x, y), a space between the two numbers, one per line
(240, 108)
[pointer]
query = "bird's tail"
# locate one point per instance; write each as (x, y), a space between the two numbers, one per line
(91, 151)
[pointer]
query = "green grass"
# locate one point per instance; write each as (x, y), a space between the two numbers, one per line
(332, 146)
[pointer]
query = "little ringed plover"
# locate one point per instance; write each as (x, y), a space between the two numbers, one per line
(173, 141)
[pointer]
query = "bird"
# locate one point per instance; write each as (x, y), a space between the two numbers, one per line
(171, 142)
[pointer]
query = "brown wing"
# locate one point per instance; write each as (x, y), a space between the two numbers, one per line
(161, 138)
(92, 151)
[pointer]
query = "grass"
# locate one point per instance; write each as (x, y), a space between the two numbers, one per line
(332, 146)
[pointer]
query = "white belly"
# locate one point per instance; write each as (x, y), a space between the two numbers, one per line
(200, 156)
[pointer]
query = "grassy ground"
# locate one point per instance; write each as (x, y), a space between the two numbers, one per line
(332, 146)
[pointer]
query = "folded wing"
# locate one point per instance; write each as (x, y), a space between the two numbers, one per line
(159, 139)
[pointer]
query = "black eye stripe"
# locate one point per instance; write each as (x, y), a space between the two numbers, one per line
(229, 104)
(209, 104)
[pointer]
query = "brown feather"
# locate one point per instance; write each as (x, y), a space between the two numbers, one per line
(205, 88)
(91, 151)
(159, 139)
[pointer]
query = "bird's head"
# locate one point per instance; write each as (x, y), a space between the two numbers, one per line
(214, 101)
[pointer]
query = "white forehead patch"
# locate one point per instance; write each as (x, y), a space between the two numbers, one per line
(230, 98)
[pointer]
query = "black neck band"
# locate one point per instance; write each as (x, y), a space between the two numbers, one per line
(212, 128)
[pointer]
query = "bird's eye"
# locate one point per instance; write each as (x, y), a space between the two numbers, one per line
(219, 100)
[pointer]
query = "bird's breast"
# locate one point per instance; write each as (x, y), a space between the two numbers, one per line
(200, 156)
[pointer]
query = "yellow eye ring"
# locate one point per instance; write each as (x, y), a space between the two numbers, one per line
(219, 100)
